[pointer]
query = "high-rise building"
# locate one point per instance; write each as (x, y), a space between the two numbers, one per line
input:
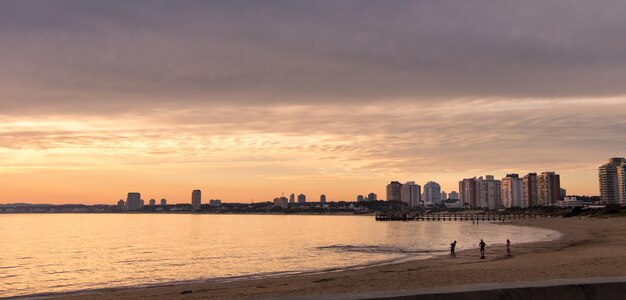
(323, 199)
(301, 199)
(152, 202)
(292, 198)
(196, 199)
(372, 197)
(469, 189)
(163, 202)
(621, 184)
(613, 181)
(530, 190)
(444, 196)
(432, 193)
(454, 195)
(490, 192)
(548, 188)
(360, 198)
(133, 201)
(513, 191)
(393, 191)
(410, 194)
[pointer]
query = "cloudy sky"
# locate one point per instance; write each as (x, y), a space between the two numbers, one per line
(249, 99)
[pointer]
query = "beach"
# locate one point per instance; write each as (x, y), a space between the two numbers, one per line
(588, 247)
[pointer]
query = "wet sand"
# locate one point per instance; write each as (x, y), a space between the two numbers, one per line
(588, 248)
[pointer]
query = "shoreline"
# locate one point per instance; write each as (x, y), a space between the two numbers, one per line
(306, 284)
(586, 248)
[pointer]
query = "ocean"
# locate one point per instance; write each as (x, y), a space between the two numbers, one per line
(50, 253)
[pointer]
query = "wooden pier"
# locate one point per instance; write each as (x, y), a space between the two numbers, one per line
(412, 216)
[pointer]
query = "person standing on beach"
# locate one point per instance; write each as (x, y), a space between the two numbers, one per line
(482, 248)
(452, 246)
(508, 247)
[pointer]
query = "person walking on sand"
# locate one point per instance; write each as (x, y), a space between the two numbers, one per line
(482, 248)
(452, 246)
(508, 247)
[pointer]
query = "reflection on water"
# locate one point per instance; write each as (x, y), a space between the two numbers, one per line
(65, 252)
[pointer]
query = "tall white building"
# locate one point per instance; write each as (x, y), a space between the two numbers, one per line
(196, 199)
(621, 184)
(530, 190)
(613, 181)
(513, 191)
(410, 194)
(432, 193)
(490, 192)
(548, 188)
(470, 192)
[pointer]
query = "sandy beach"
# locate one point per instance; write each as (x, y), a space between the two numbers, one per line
(589, 247)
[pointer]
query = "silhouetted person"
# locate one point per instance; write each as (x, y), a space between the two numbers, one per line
(482, 249)
(508, 247)
(452, 246)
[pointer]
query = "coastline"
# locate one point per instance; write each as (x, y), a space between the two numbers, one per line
(588, 247)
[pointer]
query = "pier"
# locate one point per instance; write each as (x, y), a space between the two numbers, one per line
(413, 216)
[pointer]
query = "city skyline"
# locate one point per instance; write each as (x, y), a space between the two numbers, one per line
(101, 98)
(454, 188)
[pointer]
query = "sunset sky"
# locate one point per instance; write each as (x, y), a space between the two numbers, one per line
(246, 100)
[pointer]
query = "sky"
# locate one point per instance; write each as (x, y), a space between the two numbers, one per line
(247, 100)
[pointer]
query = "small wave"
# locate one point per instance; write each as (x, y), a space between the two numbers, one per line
(372, 249)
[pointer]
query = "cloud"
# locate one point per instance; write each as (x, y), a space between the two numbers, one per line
(275, 90)
(111, 56)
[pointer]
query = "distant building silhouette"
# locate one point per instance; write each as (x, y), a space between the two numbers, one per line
(432, 193)
(121, 204)
(360, 198)
(133, 201)
(215, 202)
(196, 199)
(281, 202)
(301, 199)
(372, 197)
(454, 195)
(323, 199)
(163, 202)
(292, 198)
(152, 202)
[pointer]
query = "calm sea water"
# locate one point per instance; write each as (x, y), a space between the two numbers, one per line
(42, 253)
